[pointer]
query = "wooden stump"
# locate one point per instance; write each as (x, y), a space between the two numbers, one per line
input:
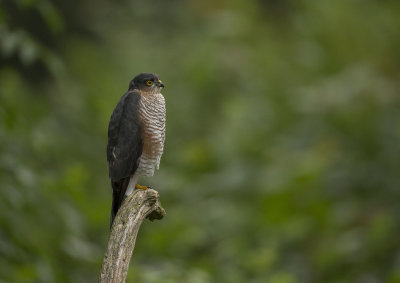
(136, 207)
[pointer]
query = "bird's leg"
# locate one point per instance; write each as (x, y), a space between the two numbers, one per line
(137, 186)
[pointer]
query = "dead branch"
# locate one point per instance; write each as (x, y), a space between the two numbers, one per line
(137, 206)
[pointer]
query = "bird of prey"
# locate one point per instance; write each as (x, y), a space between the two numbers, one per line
(136, 135)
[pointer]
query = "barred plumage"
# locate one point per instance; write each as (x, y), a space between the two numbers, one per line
(152, 114)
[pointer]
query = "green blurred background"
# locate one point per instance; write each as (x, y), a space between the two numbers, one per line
(282, 155)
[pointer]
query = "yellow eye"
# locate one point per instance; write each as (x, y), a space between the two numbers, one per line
(149, 83)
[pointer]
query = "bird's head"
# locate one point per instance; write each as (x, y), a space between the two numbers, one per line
(146, 82)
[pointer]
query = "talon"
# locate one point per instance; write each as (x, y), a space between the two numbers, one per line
(137, 186)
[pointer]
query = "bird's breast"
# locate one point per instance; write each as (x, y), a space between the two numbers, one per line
(152, 114)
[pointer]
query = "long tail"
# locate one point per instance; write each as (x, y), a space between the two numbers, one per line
(118, 196)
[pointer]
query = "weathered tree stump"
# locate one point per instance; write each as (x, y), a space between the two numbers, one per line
(136, 207)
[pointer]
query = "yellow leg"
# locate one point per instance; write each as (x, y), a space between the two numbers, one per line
(137, 186)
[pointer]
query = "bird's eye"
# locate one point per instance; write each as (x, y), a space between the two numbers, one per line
(149, 83)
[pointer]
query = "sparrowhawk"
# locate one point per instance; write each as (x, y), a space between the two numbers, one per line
(136, 135)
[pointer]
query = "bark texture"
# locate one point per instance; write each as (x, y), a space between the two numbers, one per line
(137, 206)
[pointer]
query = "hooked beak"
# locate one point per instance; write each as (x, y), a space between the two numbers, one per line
(160, 84)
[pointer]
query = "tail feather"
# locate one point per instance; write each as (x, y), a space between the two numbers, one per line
(118, 196)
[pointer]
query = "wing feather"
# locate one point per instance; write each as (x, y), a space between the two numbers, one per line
(125, 143)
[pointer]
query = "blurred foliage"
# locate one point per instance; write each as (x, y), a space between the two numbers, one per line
(283, 140)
